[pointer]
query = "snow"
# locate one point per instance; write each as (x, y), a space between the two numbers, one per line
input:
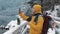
(54, 15)
(14, 28)
(50, 31)
(12, 24)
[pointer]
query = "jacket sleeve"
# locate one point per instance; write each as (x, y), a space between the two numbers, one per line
(39, 24)
(23, 16)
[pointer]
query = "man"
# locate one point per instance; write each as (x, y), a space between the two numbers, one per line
(35, 21)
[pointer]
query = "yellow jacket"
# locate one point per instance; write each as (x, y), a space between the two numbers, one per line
(34, 29)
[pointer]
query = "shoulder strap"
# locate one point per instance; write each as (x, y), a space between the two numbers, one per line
(37, 16)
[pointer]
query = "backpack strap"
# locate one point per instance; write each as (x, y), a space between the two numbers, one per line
(37, 16)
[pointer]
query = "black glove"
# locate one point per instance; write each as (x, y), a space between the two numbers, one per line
(20, 10)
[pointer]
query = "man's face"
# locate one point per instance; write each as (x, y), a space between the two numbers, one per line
(33, 10)
(53, 25)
